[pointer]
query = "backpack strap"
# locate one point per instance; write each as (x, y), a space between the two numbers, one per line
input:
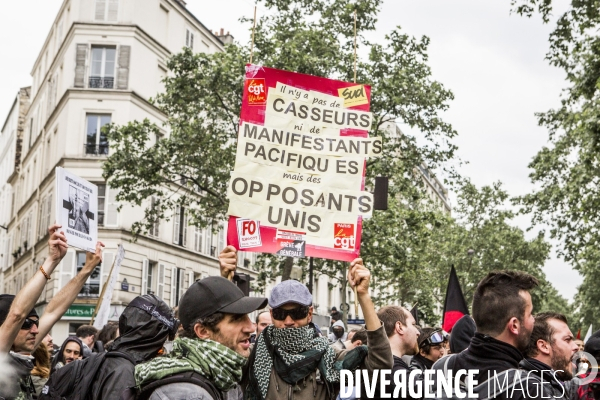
(189, 377)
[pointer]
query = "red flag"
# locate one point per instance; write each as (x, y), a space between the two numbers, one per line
(455, 305)
(579, 334)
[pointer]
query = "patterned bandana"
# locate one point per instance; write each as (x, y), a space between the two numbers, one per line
(218, 363)
(295, 353)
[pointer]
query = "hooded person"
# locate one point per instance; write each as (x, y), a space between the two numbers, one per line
(462, 333)
(145, 324)
(71, 350)
(338, 332)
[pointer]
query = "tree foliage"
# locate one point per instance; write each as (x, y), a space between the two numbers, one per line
(567, 171)
(409, 247)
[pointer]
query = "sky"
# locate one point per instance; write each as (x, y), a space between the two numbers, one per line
(491, 60)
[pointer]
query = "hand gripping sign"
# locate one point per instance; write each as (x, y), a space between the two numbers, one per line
(297, 188)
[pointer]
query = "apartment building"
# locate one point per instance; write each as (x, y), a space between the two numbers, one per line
(101, 62)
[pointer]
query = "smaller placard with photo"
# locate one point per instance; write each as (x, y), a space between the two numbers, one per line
(77, 209)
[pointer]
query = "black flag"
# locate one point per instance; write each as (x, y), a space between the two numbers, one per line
(455, 305)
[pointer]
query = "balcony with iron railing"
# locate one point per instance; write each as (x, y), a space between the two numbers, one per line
(102, 82)
(96, 149)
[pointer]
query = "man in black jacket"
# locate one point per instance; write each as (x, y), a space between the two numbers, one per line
(502, 311)
(145, 325)
(548, 357)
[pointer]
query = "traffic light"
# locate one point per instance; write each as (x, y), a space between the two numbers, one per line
(243, 282)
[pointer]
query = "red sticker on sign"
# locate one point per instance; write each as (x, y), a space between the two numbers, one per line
(256, 89)
(343, 236)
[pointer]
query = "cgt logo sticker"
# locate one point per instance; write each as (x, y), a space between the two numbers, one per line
(343, 236)
(256, 89)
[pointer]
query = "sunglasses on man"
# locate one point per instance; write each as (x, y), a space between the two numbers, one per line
(297, 313)
(28, 323)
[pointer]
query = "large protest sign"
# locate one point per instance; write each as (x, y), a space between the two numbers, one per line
(77, 209)
(297, 188)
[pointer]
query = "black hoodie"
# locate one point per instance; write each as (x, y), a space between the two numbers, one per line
(142, 337)
(461, 335)
(59, 361)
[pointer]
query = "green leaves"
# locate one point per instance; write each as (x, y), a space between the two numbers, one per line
(566, 173)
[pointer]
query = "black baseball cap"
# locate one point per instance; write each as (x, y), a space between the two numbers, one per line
(215, 294)
(5, 303)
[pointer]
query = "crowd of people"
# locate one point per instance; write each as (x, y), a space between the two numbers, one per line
(209, 348)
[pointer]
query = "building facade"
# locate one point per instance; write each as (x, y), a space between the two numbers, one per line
(101, 62)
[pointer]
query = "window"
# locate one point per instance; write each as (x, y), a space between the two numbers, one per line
(177, 285)
(102, 74)
(189, 39)
(106, 10)
(91, 288)
(180, 227)
(101, 203)
(198, 239)
(154, 229)
(30, 132)
(45, 214)
(107, 205)
(150, 277)
(96, 141)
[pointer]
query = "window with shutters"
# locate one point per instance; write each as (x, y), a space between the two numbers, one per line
(96, 142)
(151, 277)
(45, 213)
(221, 238)
(106, 10)
(160, 283)
(108, 208)
(177, 285)
(198, 236)
(101, 203)
(91, 288)
(189, 39)
(180, 226)
(102, 73)
(154, 228)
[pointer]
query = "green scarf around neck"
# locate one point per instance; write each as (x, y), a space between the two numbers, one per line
(218, 363)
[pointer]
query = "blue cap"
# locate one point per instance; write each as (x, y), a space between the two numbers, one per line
(290, 291)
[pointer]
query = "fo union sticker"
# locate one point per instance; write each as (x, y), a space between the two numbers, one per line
(248, 233)
(343, 236)
(256, 89)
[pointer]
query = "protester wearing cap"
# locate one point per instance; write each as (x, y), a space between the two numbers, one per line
(21, 330)
(431, 348)
(290, 360)
(215, 343)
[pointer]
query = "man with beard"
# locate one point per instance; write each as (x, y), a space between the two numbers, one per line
(502, 310)
(71, 350)
(207, 358)
(548, 356)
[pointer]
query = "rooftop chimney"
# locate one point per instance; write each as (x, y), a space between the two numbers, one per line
(225, 38)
